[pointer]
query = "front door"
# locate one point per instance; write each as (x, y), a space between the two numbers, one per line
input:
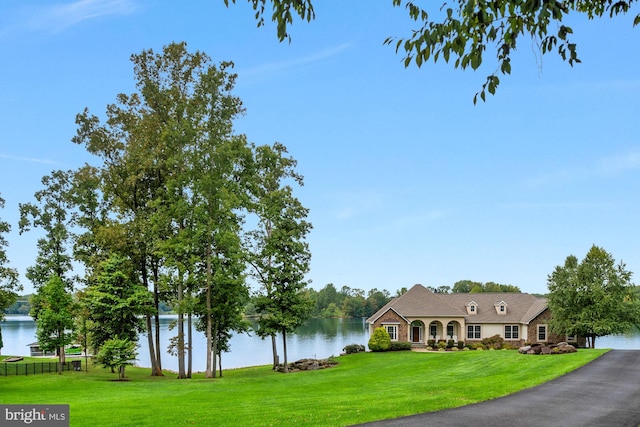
(415, 335)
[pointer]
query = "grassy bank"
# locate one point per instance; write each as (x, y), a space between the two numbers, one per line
(363, 387)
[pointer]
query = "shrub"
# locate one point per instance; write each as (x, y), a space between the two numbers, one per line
(460, 345)
(494, 342)
(400, 346)
(380, 340)
(353, 348)
(450, 343)
(442, 345)
(431, 343)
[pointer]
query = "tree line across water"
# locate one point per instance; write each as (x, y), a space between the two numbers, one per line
(328, 301)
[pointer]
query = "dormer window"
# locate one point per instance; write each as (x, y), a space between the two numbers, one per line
(472, 308)
(501, 307)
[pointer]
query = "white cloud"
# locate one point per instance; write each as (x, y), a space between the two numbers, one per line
(59, 17)
(621, 162)
(553, 178)
(351, 205)
(609, 165)
(276, 67)
(28, 159)
(419, 219)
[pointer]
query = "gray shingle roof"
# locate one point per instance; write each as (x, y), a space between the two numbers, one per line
(421, 302)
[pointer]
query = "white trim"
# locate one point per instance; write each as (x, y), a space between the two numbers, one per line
(391, 327)
(546, 333)
(374, 320)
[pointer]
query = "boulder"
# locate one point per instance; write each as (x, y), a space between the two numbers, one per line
(309, 365)
(525, 349)
(560, 348)
(566, 348)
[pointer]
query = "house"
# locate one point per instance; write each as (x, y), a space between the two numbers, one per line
(35, 350)
(421, 315)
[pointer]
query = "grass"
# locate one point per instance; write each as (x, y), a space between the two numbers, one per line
(363, 387)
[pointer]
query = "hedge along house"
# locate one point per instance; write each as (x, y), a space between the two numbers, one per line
(420, 315)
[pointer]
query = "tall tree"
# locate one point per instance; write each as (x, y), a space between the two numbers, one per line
(115, 302)
(54, 312)
(53, 213)
(9, 284)
(167, 150)
(592, 298)
(463, 32)
(279, 253)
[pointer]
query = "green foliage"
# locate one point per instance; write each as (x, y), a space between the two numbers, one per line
(54, 311)
(9, 284)
(380, 340)
(347, 302)
(477, 346)
(21, 306)
(117, 354)
(593, 297)
(400, 346)
(172, 188)
(463, 32)
(469, 286)
(54, 214)
(277, 249)
(495, 342)
(353, 348)
(114, 303)
(282, 15)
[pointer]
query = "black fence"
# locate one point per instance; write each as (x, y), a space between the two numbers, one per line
(33, 368)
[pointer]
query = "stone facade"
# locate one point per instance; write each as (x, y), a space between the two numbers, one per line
(393, 318)
(544, 318)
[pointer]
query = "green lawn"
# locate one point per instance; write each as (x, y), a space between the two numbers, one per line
(363, 387)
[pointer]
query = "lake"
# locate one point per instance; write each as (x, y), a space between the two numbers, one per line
(319, 339)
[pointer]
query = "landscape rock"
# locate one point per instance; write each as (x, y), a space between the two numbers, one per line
(560, 348)
(309, 365)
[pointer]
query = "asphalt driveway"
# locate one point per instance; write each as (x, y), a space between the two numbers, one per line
(605, 392)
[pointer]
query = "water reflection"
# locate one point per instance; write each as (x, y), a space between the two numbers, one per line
(319, 338)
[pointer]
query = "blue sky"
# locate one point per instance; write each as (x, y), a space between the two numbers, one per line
(407, 181)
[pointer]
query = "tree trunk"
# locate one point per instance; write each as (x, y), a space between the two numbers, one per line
(214, 351)
(284, 350)
(181, 371)
(190, 346)
(274, 349)
(220, 363)
(60, 360)
(207, 373)
(121, 372)
(157, 338)
(152, 355)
